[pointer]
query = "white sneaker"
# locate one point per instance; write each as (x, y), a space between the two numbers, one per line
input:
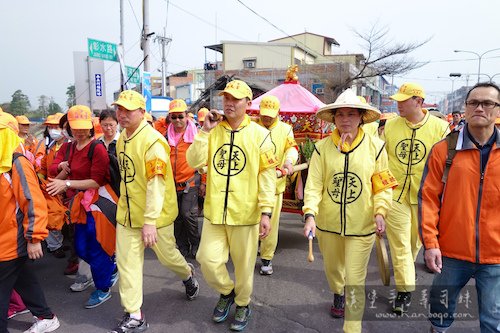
(44, 325)
(81, 283)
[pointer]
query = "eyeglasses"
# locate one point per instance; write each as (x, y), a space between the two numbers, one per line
(487, 105)
(176, 117)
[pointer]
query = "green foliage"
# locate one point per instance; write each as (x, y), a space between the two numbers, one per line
(53, 107)
(70, 92)
(43, 105)
(20, 104)
(306, 148)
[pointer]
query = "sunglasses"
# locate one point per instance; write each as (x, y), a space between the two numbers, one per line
(176, 117)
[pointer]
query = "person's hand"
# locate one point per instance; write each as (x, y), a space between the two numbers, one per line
(202, 190)
(211, 120)
(380, 223)
(310, 226)
(35, 250)
(56, 186)
(149, 235)
(433, 260)
(265, 226)
(64, 166)
(30, 140)
(288, 167)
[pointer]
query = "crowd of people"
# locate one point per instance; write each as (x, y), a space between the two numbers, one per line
(106, 195)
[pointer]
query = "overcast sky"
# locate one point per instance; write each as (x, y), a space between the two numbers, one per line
(38, 37)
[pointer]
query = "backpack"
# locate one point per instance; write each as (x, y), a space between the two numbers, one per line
(114, 168)
(451, 140)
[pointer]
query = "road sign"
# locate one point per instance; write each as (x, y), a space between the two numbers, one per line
(102, 50)
(146, 89)
(133, 75)
(98, 85)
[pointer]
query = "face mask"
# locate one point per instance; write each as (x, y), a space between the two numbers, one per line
(66, 135)
(55, 134)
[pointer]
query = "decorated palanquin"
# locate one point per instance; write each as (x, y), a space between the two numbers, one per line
(298, 108)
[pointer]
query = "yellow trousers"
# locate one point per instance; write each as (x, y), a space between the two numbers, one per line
(404, 242)
(218, 241)
(130, 261)
(355, 251)
(268, 244)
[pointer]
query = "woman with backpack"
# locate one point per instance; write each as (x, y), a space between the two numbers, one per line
(83, 177)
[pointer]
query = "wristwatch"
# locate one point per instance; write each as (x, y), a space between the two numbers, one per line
(267, 214)
(68, 184)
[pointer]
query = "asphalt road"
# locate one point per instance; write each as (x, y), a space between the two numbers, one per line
(296, 298)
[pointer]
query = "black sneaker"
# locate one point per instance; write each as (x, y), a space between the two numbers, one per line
(266, 268)
(130, 325)
(402, 302)
(338, 308)
(191, 284)
(241, 318)
(222, 308)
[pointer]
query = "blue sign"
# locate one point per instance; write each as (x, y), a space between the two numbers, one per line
(146, 89)
(98, 85)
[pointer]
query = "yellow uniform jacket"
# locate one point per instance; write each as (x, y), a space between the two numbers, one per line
(341, 189)
(241, 176)
(145, 198)
(408, 146)
(285, 148)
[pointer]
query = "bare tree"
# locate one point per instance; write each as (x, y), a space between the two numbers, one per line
(383, 57)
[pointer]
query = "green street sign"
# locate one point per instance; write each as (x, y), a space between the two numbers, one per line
(135, 78)
(102, 50)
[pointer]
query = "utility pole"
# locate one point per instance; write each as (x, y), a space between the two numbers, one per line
(122, 47)
(146, 34)
(163, 40)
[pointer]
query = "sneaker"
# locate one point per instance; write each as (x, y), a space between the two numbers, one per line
(59, 253)
(191, 284)
(223, 307)
(130, 325)
(241, 318)
(402, 302)
(266, 268)
(114, 278)
(11, 314)
(81, 283)
(97, 298)
(43, 325)
(71, 269)
(338, 308)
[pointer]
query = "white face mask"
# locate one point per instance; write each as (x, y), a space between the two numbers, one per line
(66, 135)
(55, 134)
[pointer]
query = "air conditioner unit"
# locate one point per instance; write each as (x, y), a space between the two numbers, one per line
(320, 91)
(250, 64)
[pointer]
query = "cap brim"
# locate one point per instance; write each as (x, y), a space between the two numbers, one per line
(80, 124)
(268, 112)
(127, 105)
(326, 113)
(398, 97)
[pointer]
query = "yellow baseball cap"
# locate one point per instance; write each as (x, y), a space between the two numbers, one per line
(177, 105)
(53, 119)
(8, 121)
(130, 100)
(497, 121)
(23, 120)
(269, 106)
(238, 89)
(80, 117)
(202, 113)
(407, 91)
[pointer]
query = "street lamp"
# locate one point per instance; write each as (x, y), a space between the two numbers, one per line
(452, 77)
(479, 56)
